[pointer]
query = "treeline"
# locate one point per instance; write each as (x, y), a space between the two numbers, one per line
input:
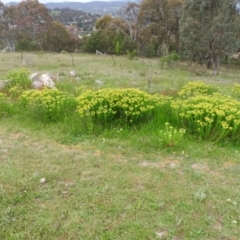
(29, 26)
(200, 30)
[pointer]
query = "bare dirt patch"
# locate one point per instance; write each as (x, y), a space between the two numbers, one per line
(166, 163)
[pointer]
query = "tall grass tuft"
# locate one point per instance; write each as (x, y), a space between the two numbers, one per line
(6, 108)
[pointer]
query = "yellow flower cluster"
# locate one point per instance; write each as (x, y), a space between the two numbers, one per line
(209, 115)
(51, 103)
(19, 77)
(129, 105)
(196, 88)
(236, 90)
(171, 136)
(15, 91)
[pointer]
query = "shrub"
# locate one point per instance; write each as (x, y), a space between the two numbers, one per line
(148, 50)
(171, 136)
(169, 59)
(236, 91)
(18, 77)
(15, 92)
(214, 116)
(6, 109)
(117, 48)
(121, 106)
(131, 55)
(48, 105)
(197, 88)
(26, 45)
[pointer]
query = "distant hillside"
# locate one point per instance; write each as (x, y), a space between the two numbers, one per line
(99, 7)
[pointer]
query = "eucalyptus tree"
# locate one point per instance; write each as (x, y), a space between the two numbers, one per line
(58, 39)
(160, 21)
(33, 21)
(130, 15)
(8, 33)
(209, 30)
(111, 33)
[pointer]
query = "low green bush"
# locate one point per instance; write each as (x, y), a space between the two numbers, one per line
(169, 59)
(121, 106)
(15, 92)
(48, 105)
(215, 116)
(131, 54)
(196, 88)
(18, 77)
(236, 91)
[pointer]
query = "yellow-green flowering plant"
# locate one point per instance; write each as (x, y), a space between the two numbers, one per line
(196, 88)
(18, 77)
(107, 106)
(171, 136)
(48, 105)
(15, 92)
(215, 116)
(236, 90)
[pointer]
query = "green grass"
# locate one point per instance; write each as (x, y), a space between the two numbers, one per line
(119, 183)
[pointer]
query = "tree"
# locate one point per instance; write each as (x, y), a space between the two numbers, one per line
(97, 41)
(8, 31)
(103, 22)
(160, 21)
(130, 14)
(33, 21)
(58, 39)
(208, 30)
(114, 32)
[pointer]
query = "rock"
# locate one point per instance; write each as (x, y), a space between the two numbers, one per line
(43, 180)
(37, 85)
(41, 81)
(35, 77)
(72, 73)
(47, 81)
(99, 82)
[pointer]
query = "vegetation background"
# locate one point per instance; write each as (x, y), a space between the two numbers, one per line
(119, 182)
(141, 142)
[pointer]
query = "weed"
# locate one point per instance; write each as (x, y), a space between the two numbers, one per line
(48, 105)
(119, 182)
(123, 106)
(19, 77)
(171, 136)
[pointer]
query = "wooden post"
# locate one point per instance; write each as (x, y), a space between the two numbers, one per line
(113, 59)
(72, 59)
(21, 57)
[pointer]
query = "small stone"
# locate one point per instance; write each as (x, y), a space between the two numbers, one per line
(43, 180)
(99, 82)
(72, 73)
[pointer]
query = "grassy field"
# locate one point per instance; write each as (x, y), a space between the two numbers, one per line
(119, 183)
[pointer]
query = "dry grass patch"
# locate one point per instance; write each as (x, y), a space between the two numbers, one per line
(97, 191)
(115, 184)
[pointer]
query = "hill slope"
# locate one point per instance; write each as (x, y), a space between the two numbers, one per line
(93, 7)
